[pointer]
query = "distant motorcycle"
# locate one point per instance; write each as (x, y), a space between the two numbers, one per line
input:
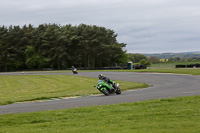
(74, 70)
(107, 88)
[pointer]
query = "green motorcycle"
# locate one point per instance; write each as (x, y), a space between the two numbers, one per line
(107, 88)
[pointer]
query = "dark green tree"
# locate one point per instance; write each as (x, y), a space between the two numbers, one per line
(59, 47)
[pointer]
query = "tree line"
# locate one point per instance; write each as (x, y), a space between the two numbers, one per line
(59, 47)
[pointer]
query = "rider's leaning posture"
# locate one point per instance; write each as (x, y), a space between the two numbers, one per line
(106, 79)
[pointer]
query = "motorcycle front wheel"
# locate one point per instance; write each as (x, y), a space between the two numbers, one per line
(105, 92)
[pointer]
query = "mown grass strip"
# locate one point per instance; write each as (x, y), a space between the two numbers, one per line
(164, 115)
(175, 71)
(19, 88)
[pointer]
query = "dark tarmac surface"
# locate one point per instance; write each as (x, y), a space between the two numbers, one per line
(162, 86)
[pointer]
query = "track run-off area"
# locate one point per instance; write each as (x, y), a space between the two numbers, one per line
(161, 86)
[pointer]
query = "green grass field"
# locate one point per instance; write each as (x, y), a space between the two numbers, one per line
(19, 88)
(174, 115)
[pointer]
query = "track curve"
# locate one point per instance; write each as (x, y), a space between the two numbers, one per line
(162, 86)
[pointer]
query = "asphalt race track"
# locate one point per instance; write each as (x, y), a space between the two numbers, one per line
(162, 86)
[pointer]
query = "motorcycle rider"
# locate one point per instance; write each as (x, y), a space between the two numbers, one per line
(74, 70)
(106, 79)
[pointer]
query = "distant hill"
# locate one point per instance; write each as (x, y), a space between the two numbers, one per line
(195, 54)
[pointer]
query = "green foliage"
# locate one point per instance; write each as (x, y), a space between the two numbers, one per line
(179, 115)
(138, 60)
(135, 58)
(123, 59)
(33, 59)
(144, 62)
(59, 47)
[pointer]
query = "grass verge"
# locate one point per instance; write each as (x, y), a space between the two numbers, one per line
(19, 88)
(164, 115)
(175, 71)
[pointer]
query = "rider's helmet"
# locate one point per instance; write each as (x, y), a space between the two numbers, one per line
(101, 76)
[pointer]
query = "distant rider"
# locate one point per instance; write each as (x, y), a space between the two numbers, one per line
(74, 70)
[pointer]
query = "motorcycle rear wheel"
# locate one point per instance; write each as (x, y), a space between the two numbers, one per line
(118, 91)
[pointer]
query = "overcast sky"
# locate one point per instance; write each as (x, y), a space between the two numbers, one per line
(146, 26)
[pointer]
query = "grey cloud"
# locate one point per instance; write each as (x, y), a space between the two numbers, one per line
(144, 25)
